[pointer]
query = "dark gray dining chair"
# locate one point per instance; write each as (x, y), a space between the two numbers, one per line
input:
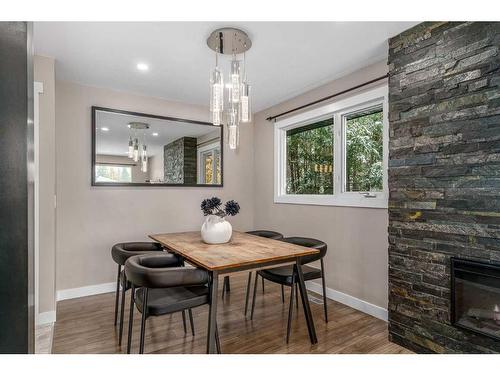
(287, 275)
(159, 289)
(120, 252)
(266, 234)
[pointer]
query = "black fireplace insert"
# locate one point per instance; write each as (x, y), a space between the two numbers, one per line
(475, 296)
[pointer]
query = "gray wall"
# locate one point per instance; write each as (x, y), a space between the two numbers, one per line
(444, 173)
(91, 219)
(355, 264)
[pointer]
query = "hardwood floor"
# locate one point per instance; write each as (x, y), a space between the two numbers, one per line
(85, 325)
(43, 338)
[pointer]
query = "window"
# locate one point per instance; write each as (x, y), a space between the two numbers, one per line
(209, 164)
(309, 158)
(336, 154)
(113, 173)
(364, 150)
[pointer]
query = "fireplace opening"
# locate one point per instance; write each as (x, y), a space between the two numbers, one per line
(475, 296)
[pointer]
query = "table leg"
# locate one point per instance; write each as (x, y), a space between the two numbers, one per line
(305, 303)
(212, 314)
(248, 291)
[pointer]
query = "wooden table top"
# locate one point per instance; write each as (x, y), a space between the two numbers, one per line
(244, 250)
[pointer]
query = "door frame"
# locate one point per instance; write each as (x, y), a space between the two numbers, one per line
(37, 90)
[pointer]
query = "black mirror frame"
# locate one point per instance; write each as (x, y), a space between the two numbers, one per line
(94, 109)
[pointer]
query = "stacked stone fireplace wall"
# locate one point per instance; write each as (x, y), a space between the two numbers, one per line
(444, 175)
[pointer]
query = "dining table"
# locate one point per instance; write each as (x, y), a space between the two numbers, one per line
(244, 252)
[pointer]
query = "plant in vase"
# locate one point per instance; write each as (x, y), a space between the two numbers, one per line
(216, 229)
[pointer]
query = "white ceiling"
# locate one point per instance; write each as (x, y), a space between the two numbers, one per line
(286, 58)
(114, 141)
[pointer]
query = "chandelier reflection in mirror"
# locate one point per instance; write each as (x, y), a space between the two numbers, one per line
(133, 144)
(230, 103)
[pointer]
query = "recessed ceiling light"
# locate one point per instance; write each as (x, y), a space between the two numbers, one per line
(142, 67)
(155, 134)
(104, 129)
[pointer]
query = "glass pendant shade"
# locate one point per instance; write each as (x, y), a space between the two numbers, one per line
(136, 150)
(233, 133)
(217, 117)
(216, 91)
(144, 159)
(235, 81)
(130, 148)
(245, 104)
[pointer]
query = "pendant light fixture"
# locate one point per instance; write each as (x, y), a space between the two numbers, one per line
(233, 42)
(133, 144)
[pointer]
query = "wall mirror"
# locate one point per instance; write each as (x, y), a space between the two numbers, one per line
(137, 149)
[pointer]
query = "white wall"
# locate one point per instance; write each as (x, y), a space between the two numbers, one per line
(91, 219)
(356, 262)
(44, 72)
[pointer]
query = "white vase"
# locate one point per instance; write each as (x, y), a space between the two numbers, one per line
(216, 230)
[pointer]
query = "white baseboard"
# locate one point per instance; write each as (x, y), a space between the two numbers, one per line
(46, 318)
(346, 299)
(84, 291)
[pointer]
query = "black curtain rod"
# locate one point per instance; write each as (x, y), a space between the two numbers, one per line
(270, 118)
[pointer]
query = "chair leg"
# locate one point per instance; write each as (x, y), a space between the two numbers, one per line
(117, 298)
(262, 285)
(130, 319)
(254, 294)
(191, 321)
(296, 296)
(282, 294)
(323, 283)
(184, 321)
(223, 288)
(143, 321)
(290, 310)
(249, 282)
(122, 310)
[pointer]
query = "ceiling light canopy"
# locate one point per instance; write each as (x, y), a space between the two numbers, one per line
(234, 106)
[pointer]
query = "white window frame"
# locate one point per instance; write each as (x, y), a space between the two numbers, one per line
(212, 146)
(337, 110)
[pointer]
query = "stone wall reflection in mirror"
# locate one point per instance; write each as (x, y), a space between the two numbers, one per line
(137, 149)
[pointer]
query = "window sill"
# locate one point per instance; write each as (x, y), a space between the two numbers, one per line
(349, 200)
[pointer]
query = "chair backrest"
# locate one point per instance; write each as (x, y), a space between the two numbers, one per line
(267, 234)
(156, 271)
(122, 251)
(311, 243)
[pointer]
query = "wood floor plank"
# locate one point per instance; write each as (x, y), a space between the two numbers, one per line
(85, 325)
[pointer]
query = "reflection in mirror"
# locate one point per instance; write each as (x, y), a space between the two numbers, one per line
(132, 148)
